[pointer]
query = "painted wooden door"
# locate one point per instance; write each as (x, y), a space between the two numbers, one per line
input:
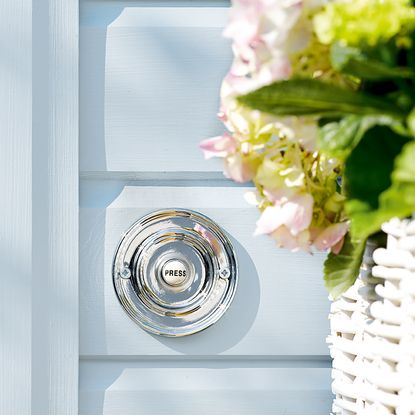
(149, 85)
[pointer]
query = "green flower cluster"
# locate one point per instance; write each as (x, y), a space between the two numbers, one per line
(357, 22)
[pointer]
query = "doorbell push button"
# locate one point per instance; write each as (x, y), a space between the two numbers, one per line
(175, 272)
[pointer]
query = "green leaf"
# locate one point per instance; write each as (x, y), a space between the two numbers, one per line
(380, 180)
(353, 62)
(341, 270)
(411, 122)
(313, 97)
(397, 201)
(404, 172)
(369, 167)
(338, 139)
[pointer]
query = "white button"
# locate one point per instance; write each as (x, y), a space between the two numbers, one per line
(174, 272)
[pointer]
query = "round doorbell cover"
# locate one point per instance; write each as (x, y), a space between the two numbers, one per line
(175, 272)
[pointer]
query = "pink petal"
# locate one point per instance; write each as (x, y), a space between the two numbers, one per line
(331, 236)
(295, 214)
(269, 221)
(239, 168)
(252, 198)
(337, 247)
(281, 17)
(220, 146)
(298, 212)
(234, 85)
(239, 68)
(285, 239)
(277, 70)
(222, 115)
(278, 196)
(244, 21)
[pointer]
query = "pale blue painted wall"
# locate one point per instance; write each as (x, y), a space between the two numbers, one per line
(150, 74)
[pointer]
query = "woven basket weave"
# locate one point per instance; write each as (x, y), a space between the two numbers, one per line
(372, 340)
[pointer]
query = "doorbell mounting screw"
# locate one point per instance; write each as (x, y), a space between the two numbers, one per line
(225, 273)
(125, 272)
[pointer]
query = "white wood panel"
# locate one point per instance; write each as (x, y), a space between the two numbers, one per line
(116, 388)
(280, 307)
(16, 208)
(150, 79)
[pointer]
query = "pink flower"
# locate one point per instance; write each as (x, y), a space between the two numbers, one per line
(295, 214)
(278, 196)
(277, 69)
(240, 168)
(270, 220)
(220, 146)
(243, 22)
(278, 20)
(299, 212)
(260, 31)
(285, 239)
(331, 237)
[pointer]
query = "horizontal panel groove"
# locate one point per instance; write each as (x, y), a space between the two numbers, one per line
(159, 183)
(157, 3)
(241, 361)
(162, 176)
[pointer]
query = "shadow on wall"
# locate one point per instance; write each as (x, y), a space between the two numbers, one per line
(93, 32)
(235, 323)
(147, 80)
(166, 387)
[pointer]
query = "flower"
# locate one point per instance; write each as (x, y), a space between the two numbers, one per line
(365, 47)
(259, 31)
(265, 35)
(296, 187)
(284, 239)
(241, 168)
(300, 199)
(221, 146)
(332, 237)
(295, 214)
(355, 22)
(289, 225)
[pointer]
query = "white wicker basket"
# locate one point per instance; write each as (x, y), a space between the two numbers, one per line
(372, 339)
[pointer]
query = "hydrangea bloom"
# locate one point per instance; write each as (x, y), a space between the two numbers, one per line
(352, 22)
(265, 35)
(296, 186)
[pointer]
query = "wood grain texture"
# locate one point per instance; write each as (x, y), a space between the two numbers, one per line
(63, 207)
(16, 206)
(55, 208)
(114, 388)
(280, 307)
(150, 79)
